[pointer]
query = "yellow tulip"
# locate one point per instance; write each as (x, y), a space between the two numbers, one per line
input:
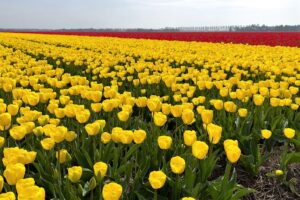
(207, 116)
(63, 156)
(96, 107)
(188, 116)
(115, 134)
(200, 109)
(100, 168)
(2, 141)
(13, 155)
(112, 191)
(33, 99)
(188, 198)
(266, 134)
(64, 99)
(274, 102)
(224, 92)
(218, 104)
(70, 136)
(230, 106)
(164, 142)
(32, 192)
(232, 150)
(48, 143)
(294, 106)
(59, 113)
(96, 96)
(13, 173)
(159, 119)
(43, 120)
(2, 108)
(278, 172)
(92, 129)
(23, 184)
(1, 183)
(107, 105)
(74, 173)
(5, 121)
(214, 133)
(177, 165)
(289, 133)
(229, 142)
(7, 196)
(126, 137)
(83, 116)
(139, 136)
(176, 110)
(243, 112)
(166, 108)
(105, 137)
(154, 104)
(18, 132)
(13, 109)
(200, 149)
(59, 134)
(258, 99)
(123, 115)
(157, 179)
(189, 137)
(141, 102)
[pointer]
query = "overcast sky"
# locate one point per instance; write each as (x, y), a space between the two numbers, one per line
(145, 13)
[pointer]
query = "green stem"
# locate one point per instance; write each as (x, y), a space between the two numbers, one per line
(100, 186)
(177, 187)
(155, 195)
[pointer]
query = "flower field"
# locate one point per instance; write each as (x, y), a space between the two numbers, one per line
(253, 38)
(111, 118)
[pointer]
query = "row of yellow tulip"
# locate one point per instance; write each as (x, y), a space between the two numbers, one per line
(135, 119)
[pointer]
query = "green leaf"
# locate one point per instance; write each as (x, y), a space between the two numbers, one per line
(139, 196)
(189, 178)
(241, 192)
(291, 158)
(89, 186)
(292, 182)
(132, 149)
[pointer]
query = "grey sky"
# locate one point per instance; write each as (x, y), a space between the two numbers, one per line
(145, 13)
